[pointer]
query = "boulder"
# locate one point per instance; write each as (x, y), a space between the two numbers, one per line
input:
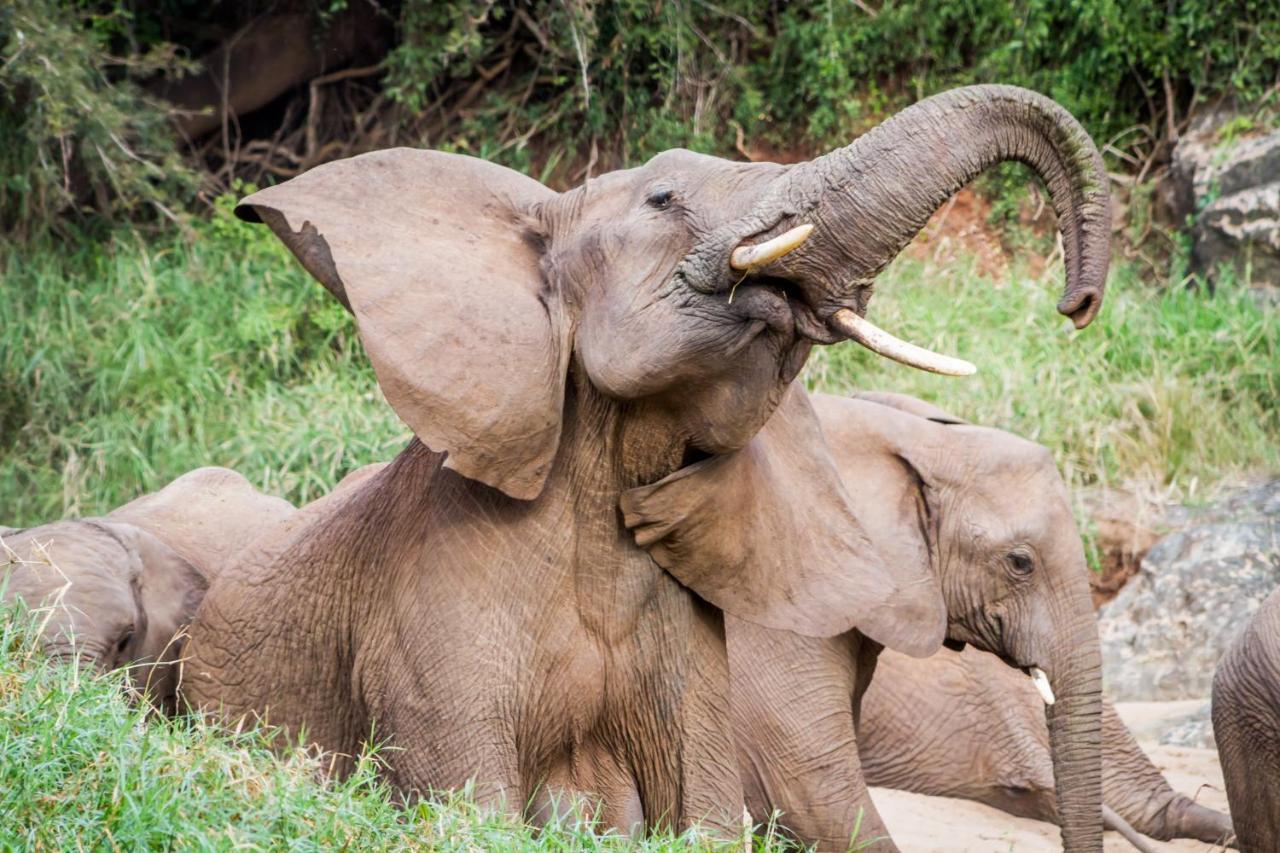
(1228, 188)
(1193, 593)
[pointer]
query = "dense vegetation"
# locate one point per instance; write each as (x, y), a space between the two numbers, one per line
(561, 87)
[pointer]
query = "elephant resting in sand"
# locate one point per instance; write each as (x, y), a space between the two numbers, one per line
(1246, 724)
(964, 724)
(119, 589)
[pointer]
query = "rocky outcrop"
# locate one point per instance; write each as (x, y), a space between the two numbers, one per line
(1228, 187)
(1194, 591)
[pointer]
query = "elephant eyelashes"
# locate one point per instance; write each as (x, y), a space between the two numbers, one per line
(660, 199)
(1021, 563)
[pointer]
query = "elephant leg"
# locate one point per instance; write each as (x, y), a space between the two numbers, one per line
(1246, 725)
(1139, 793)
(590, 783)
(798, 749)
(670, 718)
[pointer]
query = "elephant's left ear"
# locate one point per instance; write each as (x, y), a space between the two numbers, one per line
(770, 535)
(435, 255)
(168, 586)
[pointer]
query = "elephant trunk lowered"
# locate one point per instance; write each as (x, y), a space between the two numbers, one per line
(1075, 735)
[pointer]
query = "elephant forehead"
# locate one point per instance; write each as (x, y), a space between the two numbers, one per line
(75, 561)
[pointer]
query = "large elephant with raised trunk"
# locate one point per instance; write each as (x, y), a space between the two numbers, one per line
(479, 602)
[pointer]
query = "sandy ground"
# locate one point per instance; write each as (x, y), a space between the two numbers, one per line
(921, 824)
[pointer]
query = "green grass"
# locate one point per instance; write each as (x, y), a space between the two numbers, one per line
(1169, 387)
(123, 365)
(81, 768)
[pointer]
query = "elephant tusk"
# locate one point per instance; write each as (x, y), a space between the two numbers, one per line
(751, 257)
(882, 343)
(1041, 681)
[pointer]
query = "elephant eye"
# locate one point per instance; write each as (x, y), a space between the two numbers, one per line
(1021, 563)
(660, 199)
(124, 641)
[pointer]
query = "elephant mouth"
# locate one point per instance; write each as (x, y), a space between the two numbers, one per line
(780, 304)
(836, 323)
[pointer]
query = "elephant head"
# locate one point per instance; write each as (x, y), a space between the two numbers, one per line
(689, 290)
(989, 514)
(119, 590)
(109, 594)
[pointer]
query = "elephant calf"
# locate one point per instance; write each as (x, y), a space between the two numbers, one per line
(120, 589)
(1246, 724)
(964, 724)
(975, 529)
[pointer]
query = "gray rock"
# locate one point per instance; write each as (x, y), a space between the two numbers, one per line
(1230, 189)
(1194, 730)
(1259, 501)
(1243, 229)
(1163, 633)
(1249, 163)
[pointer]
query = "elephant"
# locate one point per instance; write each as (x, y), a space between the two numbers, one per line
(1246, 725)
(119, 589)
(964, 724)
(976, 522)
(480, 603)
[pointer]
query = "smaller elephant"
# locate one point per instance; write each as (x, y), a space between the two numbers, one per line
(1246, 724)
(975, 531)
(118, 590)
(965, 724)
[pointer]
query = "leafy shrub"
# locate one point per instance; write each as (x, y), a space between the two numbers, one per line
(561, 87)
(76, 130)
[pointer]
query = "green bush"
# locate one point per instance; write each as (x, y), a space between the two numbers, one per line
(77, 133)
(556, 86)
(640, 76)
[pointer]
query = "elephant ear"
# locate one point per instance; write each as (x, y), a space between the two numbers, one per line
(769, 534)
(433, 255)
(168, 587)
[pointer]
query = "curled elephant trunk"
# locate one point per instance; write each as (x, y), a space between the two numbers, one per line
(1075, 736)
(869, 199)
(865, 203)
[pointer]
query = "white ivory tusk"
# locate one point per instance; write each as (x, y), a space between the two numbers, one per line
(750, 257)
(882, 343)
(1041, 681)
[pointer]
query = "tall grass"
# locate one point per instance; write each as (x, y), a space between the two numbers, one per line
(124, 364)
(1170, 387)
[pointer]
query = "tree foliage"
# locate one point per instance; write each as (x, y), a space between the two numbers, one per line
(565, 87)
(77, 132)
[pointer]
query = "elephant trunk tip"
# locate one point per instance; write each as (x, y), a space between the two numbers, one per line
(1081, 305)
